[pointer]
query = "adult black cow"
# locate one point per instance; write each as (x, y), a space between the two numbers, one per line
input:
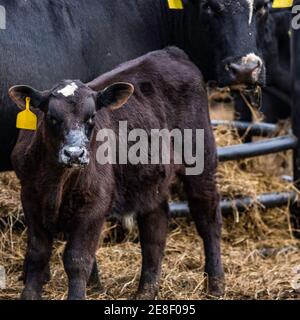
(81, 39)
(276, 96)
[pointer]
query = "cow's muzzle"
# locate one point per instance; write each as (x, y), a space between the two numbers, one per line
(247, 70)
(245, 73)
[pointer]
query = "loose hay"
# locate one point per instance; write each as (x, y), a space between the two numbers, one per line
(259, 253)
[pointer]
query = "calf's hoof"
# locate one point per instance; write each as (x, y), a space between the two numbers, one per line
(145, 296)
(94, 284)
(30, 295)
(46, 277)
(96, 288)
(216, 286)
(148, 292)
(76, 298)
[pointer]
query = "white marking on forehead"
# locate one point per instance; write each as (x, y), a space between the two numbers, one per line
(69, 90)
(251, 8)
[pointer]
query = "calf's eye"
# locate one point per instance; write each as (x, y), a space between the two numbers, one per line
(52, 120)
(209, 9)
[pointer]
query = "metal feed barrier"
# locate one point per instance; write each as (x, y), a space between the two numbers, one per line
(254, 149)
(267, 146)
(267, 200)
(249, 150)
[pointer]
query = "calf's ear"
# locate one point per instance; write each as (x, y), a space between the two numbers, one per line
(19, 94)
(114, 96)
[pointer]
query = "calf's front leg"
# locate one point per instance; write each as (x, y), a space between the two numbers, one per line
(36, 263)
(79, 255)
(46, 276)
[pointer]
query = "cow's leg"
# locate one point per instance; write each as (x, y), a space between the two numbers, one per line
(79, 255)
(203, 198)
(36, 262)
(153, 227)
(94, 281)
(273, 108)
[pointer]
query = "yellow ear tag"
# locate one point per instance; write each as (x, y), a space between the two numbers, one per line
(175, 4)
(282, 3)
(27, 120)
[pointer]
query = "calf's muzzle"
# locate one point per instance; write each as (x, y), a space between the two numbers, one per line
(75, 156)
(74, 152)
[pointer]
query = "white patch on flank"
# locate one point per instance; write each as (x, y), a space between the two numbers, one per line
(69, 90)
(128, 221)
(251, 8)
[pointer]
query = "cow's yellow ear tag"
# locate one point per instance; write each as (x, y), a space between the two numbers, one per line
(26, 119)
(282, 3)
(175, 4)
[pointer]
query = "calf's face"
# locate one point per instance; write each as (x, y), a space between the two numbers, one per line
(227, 33)
(69, 115)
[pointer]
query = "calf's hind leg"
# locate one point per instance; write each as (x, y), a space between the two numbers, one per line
(94, 282)
(153, 227)
(203, 199)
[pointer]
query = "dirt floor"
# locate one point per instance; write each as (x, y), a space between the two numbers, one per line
(260, 256)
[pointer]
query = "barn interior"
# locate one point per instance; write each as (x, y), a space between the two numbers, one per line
(261, 256)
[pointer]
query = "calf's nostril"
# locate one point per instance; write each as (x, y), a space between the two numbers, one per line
(74, 154)
(82, 154)
(67, 153)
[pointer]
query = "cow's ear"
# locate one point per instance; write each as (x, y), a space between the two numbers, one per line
(19, 94)
(114, 96)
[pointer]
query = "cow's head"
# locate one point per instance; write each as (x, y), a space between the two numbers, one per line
(223, 39)
(69, 115)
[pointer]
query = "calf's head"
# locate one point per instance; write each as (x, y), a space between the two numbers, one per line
(224, 39)
(69, 116)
